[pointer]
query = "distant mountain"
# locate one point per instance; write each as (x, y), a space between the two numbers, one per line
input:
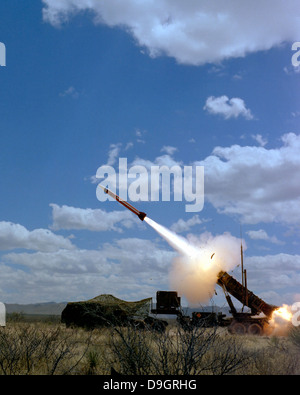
(53, 308)
(49, 308)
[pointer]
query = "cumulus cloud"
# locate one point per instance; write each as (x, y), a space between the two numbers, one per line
(259, 139)
(17, 236)
(263, 235)
(170, 150)
(228, 108)
(255, 183)
(80, 274)
(184, 226)
(274, 273)
(129, 268)
(193, 32)
(67, 217)
(71, 92)
(113, 153)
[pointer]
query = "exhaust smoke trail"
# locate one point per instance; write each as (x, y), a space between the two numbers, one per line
(177, 242)
(195, 270)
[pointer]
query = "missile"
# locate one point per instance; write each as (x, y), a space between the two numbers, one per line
(140, 214)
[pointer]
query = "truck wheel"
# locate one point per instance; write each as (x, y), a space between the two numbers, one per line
(255, 329)
(238, 328)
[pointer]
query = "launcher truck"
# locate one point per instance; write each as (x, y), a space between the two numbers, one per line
(255, 322)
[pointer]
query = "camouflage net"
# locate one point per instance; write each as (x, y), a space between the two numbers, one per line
(104, 310)
(139, 309)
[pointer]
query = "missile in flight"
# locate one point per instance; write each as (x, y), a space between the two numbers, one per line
(140, 214)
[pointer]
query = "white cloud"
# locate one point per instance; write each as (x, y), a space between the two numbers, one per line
(131, 269)
(184, 226)
(163, 160)
(228, 108)
(255, 183)
(278, 273)
(140, 134)
(128, 146)
(263, 235)
(291, 70)
(113, 153)
(112, 156)
(71, 92)
(17, 236)
(165, 184)
(169, 149)
(66, 217)
(193, 32)
(259, 138)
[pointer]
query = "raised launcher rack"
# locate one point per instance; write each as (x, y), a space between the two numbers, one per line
(242, 323)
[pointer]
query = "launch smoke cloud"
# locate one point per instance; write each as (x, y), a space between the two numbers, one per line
(195, 270)
(139, 183)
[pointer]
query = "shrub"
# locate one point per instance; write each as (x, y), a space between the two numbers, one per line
(37, 349)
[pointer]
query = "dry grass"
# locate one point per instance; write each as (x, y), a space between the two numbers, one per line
(41, 348)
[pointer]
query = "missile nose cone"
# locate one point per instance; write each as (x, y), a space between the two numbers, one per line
(104, 189)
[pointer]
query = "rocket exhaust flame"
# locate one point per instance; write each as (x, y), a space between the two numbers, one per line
(283, 314)
(281, 320)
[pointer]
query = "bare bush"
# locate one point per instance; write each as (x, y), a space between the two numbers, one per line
(181, 352)
(36, 349)
(294, 336)
(175, 352)
(42, 348)
(131, 350)
(226, 356)
(277, 357)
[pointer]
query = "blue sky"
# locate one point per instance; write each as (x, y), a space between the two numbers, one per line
(87, 83)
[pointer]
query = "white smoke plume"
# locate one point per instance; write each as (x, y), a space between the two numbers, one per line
(194, 272)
